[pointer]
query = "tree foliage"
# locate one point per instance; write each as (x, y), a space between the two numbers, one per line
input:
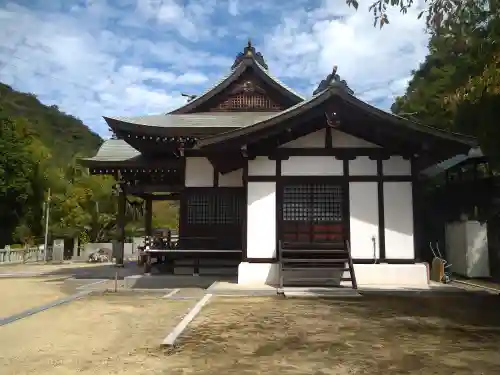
(39, 147)
(457, 87)
(62, 134)
(17, 176)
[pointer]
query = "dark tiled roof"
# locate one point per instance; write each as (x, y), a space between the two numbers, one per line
(231, 77)
(207, 120)
(114, 150)
(339, 90)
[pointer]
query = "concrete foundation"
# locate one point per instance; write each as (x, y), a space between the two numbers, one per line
(168, 281)
(367, 275)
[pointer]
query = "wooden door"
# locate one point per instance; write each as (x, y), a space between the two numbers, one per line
(312, 212)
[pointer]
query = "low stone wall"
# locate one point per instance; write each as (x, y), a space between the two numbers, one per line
(130, 249)
(25, 255)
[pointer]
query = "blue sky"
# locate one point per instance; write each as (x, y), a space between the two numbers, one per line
(97, 58)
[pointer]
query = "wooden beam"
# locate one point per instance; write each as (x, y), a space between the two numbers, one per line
(160, 197)
(148, 189)
(120, 258)
(339, 153)
(381, 213)
(148, 225)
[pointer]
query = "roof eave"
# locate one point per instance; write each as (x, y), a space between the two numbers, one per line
(234, 75)
(461, 140)
(262, 125)
(466, 140)
(199, 100)
(121, 126)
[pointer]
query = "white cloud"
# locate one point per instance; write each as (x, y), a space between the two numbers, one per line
(370, 59)
(81, 71)
(135, 57)
(233, 7)
(189, 20)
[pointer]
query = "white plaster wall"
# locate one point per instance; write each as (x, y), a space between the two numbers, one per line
(362, 166)
(317, 140)
(396, 166)
(341, 139)
(261, 220)
(467, 248)
(312, 166)
(312, 140)
(392, 276)
(199, 172)
(478, 264)
(398, 214)
(231, 179)
(456, 247)
(261, 166)
(258, 274)
(364, 225)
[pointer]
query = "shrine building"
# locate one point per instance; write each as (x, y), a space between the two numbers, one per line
(259, 169)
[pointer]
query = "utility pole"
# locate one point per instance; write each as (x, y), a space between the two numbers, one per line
(47, 214)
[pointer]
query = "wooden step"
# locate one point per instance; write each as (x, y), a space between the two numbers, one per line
(299, 268)
(313, 246)
(314, 260)
(315, 251)
(289, 269)
(310, 279)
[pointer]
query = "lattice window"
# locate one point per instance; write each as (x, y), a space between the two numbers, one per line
(312, 212)
(214, 208)
(200, 209)
(314, 203)
(245, 102)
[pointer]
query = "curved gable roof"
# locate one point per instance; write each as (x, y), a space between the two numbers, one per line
(340, 91)
(243, 66)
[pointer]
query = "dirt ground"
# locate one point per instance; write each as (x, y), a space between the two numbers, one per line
(39, 267)
(375, 334)
(17, 295)
(370, 335)
(97, 335)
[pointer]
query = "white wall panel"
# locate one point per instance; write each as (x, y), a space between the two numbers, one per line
(261, 166)
(344, 140)
(396, 166)
(362, 166)
(312, 166)
(199, 172)
(312, 140)
(231, 179)
(364, 223)
(398, 214)
(261, 220)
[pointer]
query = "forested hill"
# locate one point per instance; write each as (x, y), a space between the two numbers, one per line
(64, 135)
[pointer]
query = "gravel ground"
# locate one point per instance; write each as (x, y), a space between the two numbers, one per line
(107, 334)
(17, 295)
(370, 335)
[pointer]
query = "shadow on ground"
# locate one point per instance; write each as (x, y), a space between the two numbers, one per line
(375, 334)
(99, 271)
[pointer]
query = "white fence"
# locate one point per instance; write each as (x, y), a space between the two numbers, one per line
(35, 254)
(24, 255)
(130, 249)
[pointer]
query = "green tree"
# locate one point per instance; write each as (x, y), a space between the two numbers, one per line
(458, 85)
(17, 176)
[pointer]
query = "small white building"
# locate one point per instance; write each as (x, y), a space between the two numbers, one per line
(254, 165)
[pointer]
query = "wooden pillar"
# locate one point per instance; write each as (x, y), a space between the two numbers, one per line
(381, 209)
(120, 224)
(148, 225)
(417, 209)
